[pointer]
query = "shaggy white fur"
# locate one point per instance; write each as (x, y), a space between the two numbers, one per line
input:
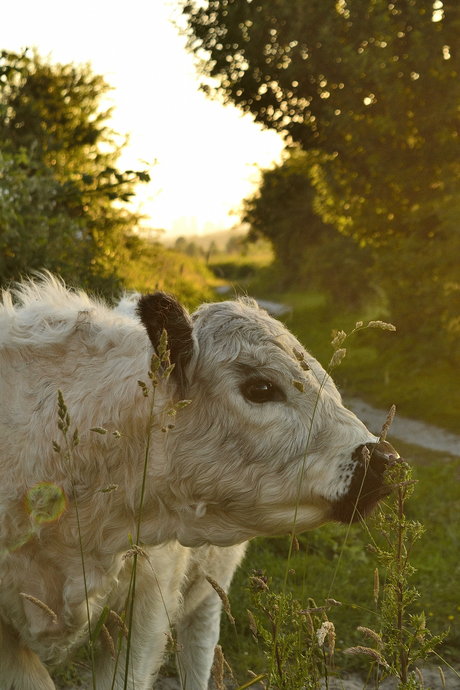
(245, 456)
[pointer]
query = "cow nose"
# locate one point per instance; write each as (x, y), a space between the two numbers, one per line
(367, 486)
(379, 455)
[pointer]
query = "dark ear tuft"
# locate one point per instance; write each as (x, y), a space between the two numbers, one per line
(160, 311)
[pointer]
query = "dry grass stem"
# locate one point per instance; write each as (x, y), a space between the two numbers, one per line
(135, 551)
(381, 324)
(387, 424)
(295, 544)
(41, 605)
(419, 673)
(443, 679)
(376, 585)
(333, 602)
(119, 621)
(108, 638)
(223, 597)
(337, 358)
(327, 629)
(368, 651)
(218, 668)
(371, 634)
(258, 582)
(252, 625)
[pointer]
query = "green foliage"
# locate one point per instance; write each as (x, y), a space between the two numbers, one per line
(404, 637)
(423, 295)
(373, 86)
(288, 634)
(152, 267)
(370, 91)
(309, 252)
(61, 206)
(282, 212)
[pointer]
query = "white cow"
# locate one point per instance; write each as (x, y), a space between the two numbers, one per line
(250, 452)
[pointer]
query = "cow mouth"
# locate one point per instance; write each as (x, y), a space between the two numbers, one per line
(367, 486)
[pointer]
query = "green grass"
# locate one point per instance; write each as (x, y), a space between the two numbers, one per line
(435, 503)
(152, 267)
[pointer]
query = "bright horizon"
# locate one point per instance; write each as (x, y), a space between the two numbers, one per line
(207, 154)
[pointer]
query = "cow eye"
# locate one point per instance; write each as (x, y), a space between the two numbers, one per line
(262, 392)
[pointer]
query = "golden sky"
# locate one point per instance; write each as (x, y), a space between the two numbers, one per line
(206, 153)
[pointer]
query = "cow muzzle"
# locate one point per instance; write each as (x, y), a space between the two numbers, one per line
(367, 486)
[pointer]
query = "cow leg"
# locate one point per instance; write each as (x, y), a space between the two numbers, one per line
(20, 668)
(157, 598)
(197, 636)
(198, 627)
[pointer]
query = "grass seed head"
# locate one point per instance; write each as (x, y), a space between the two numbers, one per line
(376, 585)
(387, 424)
(107, 489)
(222, 596)
(443, 679)
(372, 635)
(99, 430)
(333, 602)
(337, 357)
(327, 630)
(368, 651)
(108, 638)
(252, 625)
(119, 621)
(381, 324)
(338, 339)
(218, 668)
(258, 583)
(420, 677)
(135, 551)
(41, 605)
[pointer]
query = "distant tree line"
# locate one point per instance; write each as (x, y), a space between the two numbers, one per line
(366, 94)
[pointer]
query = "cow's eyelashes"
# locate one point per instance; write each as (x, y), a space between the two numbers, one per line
(262, 391)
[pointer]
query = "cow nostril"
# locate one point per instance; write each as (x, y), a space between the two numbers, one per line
(368, 484)
(379, 453)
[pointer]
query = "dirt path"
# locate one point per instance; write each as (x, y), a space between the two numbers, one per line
(405, 429)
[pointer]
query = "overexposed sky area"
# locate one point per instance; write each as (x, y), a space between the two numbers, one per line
(206, 152)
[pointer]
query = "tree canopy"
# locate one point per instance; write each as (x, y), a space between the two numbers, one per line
(62, 200)
(370, 90)
(372, 85)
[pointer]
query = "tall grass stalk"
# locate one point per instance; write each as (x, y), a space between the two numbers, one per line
(160, 360)
(339, 352)
(160, 368)
(403, 638)
(64, 426)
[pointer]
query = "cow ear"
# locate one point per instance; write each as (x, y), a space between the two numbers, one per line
(160, 311)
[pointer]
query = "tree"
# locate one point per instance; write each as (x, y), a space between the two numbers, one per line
(370, 89)
(371, 84)
(310, 253)
(282, 212)
(63, 200)
(36, 230)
